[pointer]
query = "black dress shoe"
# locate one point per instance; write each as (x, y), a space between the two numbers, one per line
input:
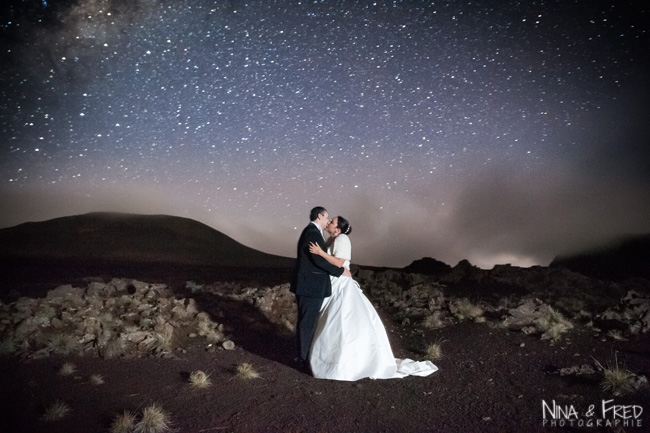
(303, 366)
(306, 368)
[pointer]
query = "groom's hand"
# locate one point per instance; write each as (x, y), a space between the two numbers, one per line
(346, 273)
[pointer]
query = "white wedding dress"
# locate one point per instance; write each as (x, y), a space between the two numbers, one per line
(350, 342)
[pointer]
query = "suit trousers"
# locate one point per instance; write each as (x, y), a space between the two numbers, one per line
(308, 312)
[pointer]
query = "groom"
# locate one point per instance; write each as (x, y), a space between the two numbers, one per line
(311, 281)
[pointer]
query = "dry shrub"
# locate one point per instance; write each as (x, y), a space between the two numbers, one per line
(62, 344)
(199, 379)
(162, 342)
(205, 327)
(163, 335)
(464, 309)
(67, 369)
(247, 371)
(57, 411)
(123, 423)
(617, 380)
(616, 334)
(96, 379)
(506, 303)
(113, 349)
(553, 326)
(154, 420)
(434, 351)
(7, 346)
(433, 321)
(194, 287)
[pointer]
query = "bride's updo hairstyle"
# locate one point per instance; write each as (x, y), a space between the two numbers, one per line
(343, 225)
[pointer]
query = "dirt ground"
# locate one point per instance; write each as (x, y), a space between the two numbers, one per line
(489, 380)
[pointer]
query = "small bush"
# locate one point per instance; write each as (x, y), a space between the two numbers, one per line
(96, 379)
(67, 369)
(194, 288)
(113, 349)
(553, 326)
(617, 380)
(205, 327)
(615, 334)
(7, 346)
(434, 351)
(62, 344)
(154, 420)
(57, 411)
(246, 371)
(199, 379)
(433, 321)
(163, 342)
(124, 423)
(464, 309)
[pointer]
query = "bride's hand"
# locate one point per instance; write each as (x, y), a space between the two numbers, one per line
(315, 249)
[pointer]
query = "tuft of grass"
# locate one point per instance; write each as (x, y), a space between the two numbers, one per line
(506, 303)
(464, 309)
(113, 349)
(207, 328)
(616, 335)
(67, 369)
(123, 423)
(199, 379)
(154, 420)
(57, 411)
(62, 344)
(553, 326)
(434, 351)
(96, 379)
(247, 371)
(433, 321)
(194, 288)
(617, 380)
(7, 346)
(163, 342)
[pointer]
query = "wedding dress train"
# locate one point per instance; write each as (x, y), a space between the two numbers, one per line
(350, 342)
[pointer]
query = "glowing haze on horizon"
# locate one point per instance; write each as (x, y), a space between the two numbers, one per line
(498, 132)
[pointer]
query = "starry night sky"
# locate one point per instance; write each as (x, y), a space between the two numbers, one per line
(498, 132)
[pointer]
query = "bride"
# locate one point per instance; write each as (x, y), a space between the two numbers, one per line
(350, 342)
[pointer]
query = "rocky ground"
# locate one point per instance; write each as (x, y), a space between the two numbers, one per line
(514, 344)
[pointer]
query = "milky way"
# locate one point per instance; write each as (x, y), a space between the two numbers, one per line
(492, 131)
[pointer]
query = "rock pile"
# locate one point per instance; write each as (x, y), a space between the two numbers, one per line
(120, 318)
(631, 315)
(277, 304)
(535, 317)
(409, 297)
(131, 318)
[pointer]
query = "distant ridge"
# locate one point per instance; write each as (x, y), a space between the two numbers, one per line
(131, 238)
(429, 266)
(627, 258)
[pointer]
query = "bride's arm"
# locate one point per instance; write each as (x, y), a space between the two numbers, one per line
(316, 249)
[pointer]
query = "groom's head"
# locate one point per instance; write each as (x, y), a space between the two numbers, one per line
(320, 216)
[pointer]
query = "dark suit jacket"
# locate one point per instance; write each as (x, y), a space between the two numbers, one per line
(312, 273)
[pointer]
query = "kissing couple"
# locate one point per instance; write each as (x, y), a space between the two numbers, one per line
(340, 335)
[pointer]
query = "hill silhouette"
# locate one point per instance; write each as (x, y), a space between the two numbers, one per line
(129, 237)
(428, 266)
(629, 257)
(160, 248)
